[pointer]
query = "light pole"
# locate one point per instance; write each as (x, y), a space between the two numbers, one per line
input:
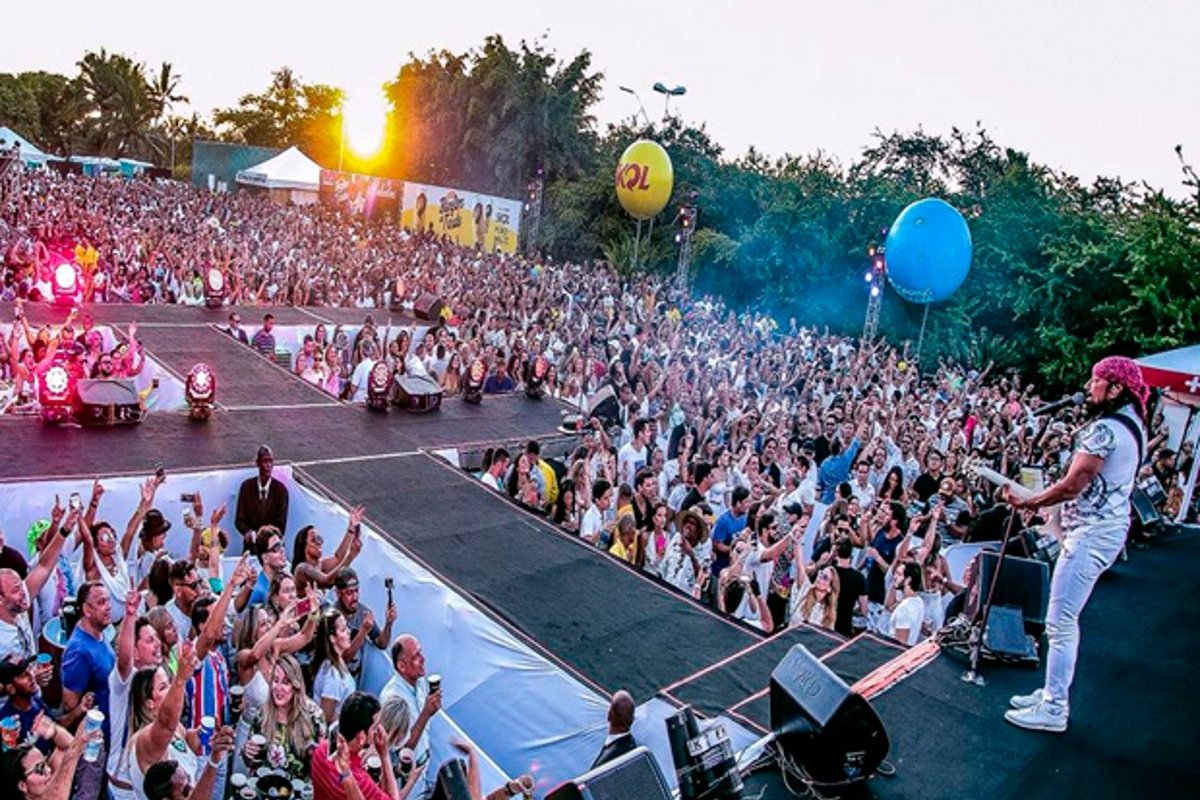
(687, 226)
(668, 93)
(637, 97)
(874, 278)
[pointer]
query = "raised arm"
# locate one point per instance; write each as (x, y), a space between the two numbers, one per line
(210, 635)
(152, 741)
(149, 488)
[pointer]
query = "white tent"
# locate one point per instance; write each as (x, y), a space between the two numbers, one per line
(1177, 372)
(291, 171)
(30, 154)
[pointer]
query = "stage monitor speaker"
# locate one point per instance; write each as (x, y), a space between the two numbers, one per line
(452, 781)
(832, 732)
(633, 776)
(108, 401)
(1144, 507)
(417, 394)
(1024, 582)
(428, 306)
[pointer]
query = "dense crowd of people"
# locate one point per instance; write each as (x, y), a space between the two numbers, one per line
(185, 678)
(783, 474)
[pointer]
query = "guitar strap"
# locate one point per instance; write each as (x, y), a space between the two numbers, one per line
(1134, 430)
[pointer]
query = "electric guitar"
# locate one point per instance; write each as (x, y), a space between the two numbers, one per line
(1052, 514)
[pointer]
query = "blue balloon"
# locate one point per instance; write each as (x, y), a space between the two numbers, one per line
(928, 251)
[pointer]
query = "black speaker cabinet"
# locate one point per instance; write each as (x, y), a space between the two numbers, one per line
(832, 732)
(428, 306)
(633, 776)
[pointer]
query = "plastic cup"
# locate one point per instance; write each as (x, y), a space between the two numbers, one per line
(10, 732)
(435, 683)
(205, 734)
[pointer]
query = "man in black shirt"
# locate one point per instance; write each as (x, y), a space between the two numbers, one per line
(262, 500)
(928, 482)
(852, 589)
(645, 493)
(704, 478)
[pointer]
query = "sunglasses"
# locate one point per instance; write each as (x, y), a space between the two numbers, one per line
(41, 768)
(276, 548)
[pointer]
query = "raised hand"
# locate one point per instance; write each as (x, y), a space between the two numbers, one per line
(57, 512)
(356, 516)
(133, 600)
(217, 515)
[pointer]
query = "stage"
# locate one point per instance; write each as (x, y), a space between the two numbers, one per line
(609, 626)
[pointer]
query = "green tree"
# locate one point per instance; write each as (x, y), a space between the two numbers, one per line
(289, 112)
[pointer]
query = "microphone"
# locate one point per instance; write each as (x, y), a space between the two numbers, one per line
(1051, 408)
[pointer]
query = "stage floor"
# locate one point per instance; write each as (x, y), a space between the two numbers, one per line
(1133, 726)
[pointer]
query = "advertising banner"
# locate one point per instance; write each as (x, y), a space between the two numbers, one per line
(471, 219)
(362, 195)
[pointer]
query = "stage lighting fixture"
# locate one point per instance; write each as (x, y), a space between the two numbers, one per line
(66, 283)
(214, 288)
(473, 382)
(535, 386)
(200, 389)
(868, 277)
(705, 764)
(379, 386)
(56, 394)
(874, 291)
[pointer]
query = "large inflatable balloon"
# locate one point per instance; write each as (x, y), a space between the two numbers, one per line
(928, 251)
(644, 179)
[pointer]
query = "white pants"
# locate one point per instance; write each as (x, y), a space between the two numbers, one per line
(1079, 566)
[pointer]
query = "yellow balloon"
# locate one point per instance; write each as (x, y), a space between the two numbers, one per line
(644, 179)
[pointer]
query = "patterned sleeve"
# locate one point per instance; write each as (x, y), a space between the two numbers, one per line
(1098, 439)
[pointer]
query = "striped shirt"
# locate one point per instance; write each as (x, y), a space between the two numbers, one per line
(208, 692)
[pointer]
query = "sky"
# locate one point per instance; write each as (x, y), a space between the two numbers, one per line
(1107, 87)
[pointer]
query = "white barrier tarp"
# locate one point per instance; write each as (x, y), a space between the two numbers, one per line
(520, 709)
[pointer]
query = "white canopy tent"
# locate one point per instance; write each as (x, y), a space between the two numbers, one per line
(30, 153)
(1177, 372)
(291, 175)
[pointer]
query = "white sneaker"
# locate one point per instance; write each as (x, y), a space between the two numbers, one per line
(1019, 701)
(1041, 717)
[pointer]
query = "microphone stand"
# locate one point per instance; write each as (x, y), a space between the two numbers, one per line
(972, 675)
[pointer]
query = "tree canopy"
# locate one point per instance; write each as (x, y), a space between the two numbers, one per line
(1063, 270)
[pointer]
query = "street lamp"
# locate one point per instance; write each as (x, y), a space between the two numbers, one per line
(637, 97)
(676, 91)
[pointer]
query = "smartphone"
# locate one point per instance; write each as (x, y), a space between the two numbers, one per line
(304, 607)
(160, 472)
(389, 584)
(76, 502)
(187, 497)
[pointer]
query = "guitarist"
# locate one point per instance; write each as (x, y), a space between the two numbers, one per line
(1096, 496)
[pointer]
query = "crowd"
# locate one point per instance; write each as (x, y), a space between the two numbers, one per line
(782, 474)
(177, 677)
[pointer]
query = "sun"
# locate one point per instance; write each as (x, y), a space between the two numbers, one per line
(365, 117)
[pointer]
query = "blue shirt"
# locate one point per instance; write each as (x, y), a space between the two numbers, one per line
(835, 470)
(726, 527)
(36, 706)
(86, 665)
(262, 587)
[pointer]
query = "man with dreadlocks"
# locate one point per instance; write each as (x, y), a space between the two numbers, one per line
(1096, 492)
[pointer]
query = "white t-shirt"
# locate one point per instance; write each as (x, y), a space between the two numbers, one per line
(17, 639)
(909, 614)
(1105, 501)
(333, 685)
(592, 522)
(362, 374)
(629, 461)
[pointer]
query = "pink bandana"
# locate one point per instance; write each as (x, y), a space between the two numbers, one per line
(1124, 371)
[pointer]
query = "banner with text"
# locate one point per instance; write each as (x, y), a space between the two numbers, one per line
(362, 195)
(470, 218)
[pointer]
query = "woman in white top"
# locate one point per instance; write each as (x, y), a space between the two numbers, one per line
(815, 601)
(260, 638)
(155, 732)
(104, 559)
(333, 682)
